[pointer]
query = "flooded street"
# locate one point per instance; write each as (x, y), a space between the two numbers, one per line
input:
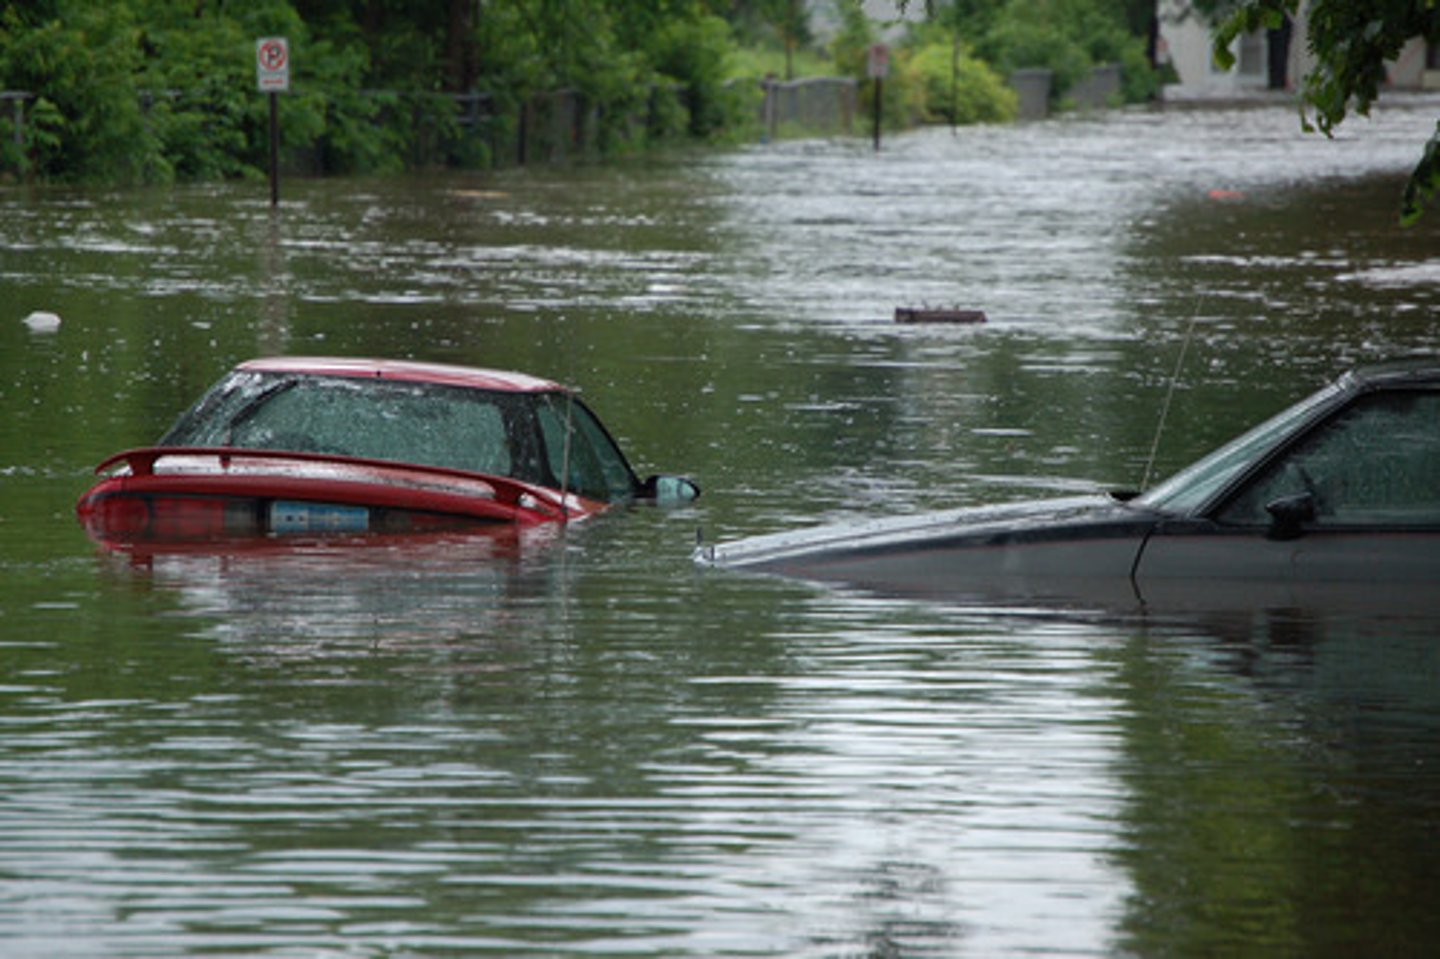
(575, 742)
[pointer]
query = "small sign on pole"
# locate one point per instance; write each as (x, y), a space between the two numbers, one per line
(272, 65)
(272, 76)
(877, 63)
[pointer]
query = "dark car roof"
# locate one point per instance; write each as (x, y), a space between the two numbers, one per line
(1415, 369)
(404, 370)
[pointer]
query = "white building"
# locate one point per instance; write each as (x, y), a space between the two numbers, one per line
(1265, 60)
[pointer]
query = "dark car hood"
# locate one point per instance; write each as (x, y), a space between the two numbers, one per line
(1029, 520)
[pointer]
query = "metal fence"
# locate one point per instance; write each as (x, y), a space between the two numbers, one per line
(545, 128)
(479, 130)
(560, 125)
(549, 127)
(815, 105)
(476, 129)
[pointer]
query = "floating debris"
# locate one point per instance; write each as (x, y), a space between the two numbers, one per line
(937, 314)
(42, 321)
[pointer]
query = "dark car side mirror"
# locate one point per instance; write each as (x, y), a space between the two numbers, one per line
(1289, 514)
(668, 490)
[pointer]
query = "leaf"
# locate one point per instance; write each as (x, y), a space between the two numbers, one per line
(1424, 182)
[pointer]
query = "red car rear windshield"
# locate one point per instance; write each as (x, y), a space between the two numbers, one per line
(519, 435)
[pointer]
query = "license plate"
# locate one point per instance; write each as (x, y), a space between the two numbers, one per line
(288, 517)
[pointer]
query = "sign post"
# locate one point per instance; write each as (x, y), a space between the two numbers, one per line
(877, 67)
(272, 76)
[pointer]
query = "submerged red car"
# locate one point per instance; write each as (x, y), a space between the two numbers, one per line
(330, 445)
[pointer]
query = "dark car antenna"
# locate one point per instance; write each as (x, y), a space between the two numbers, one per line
(1170, 393)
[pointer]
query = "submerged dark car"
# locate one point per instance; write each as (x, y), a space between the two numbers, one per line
(1339, 495)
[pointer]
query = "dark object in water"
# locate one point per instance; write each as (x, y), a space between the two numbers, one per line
(931, 314)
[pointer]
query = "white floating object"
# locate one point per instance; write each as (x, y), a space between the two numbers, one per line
(42, 321)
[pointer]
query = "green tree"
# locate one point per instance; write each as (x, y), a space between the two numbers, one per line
(954, 86)
(695, 53)
(790, 19)
(81, 60)
(1351, 40)
(154, 90)
(1067, 37)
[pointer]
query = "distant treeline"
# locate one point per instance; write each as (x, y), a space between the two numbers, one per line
(128, 91)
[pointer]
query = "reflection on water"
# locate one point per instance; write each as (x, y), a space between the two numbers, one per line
(580, 744)
(1270, 769)
(282, 598)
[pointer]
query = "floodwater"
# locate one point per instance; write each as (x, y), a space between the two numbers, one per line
(577, 743)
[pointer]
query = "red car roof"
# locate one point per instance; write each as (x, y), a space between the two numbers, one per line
(406, 370)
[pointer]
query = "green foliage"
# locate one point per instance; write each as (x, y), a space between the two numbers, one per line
(696, 53)
(1026, 34)
(199, 102)
(848, 48)
(156, 90)
(83, 68)
(850, 52)
(42, 141)
(781, 24)
(957, 88)
(1424, 182)
(1068, 37)
(755, 62)
(1351, 43)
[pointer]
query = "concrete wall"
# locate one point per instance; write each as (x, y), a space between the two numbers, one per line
(1032, 86)
(1099, 88)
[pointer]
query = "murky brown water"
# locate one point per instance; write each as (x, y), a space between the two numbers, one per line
(584, 745)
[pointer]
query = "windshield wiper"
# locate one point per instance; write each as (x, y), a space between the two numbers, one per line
(246, 412)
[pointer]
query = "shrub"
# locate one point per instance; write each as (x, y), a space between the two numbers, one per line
(958, 90)
(1068, 37)
(695, 53)
(83, 67)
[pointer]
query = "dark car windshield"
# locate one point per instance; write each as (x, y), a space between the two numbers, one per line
(1196, 485)
(519, 435)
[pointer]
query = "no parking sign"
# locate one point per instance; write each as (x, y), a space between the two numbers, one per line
(272, 76)
(272, 65)
(877, 61)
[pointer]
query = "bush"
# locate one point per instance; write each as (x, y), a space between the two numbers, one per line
(1139, 81)
(850, 50)
(962, 90)
(696, 53)
(157, 90)
(84, 69)
(1067, 37)
(1027, 35)
(199, 101)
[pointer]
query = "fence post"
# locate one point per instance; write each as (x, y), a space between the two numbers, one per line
(17, 100)
(768, 85)
(524, 132)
